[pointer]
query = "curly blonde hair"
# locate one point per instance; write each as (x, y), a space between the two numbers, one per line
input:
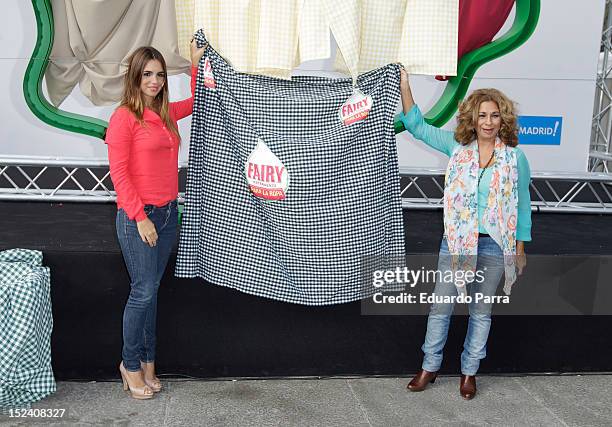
(467, 118)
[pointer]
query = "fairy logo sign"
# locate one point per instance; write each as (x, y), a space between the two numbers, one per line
(209, 77)
(266, 175)
(356, 108)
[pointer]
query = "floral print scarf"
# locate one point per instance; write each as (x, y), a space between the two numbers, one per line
(461, 207)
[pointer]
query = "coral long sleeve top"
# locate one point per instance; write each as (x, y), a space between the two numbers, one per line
(143, 159)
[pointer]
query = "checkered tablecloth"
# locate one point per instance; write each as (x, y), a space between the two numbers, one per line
(25, 328)
(343, 200)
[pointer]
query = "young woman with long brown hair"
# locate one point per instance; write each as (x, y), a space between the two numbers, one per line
(143, 144)
(487, 219)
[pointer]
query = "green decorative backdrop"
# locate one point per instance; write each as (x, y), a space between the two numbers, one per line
(32, 82)
(525, 21)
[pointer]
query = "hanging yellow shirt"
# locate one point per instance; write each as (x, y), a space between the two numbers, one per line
(272, 37)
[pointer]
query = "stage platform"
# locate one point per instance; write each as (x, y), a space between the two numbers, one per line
(211, 331)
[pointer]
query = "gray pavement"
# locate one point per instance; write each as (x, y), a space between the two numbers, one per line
(522, 401)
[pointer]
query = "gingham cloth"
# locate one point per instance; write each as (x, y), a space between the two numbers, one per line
(184, 25)
(256, 37)
(422, 35)
(25, 329)
(343, 201)
(272, 37)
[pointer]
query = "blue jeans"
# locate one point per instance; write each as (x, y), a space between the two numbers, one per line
(491, 262)
(146, 267)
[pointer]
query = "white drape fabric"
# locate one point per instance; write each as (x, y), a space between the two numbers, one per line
(93, 39)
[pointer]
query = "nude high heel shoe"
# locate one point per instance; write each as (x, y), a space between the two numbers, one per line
(140, 393)
(155, 384)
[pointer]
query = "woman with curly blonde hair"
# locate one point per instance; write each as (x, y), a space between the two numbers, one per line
(487, 219)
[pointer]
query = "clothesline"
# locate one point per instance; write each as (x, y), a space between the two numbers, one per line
(301, 72)
(270, 38)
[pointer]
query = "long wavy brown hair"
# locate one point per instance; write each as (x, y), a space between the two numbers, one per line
(132, 95)
(467, 118)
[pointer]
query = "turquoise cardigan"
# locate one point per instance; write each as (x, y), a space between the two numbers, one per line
(444, 141)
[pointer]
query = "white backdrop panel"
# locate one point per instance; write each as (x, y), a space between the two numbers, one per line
(553, 74)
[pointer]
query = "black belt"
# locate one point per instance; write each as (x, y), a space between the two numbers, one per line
(483, 235)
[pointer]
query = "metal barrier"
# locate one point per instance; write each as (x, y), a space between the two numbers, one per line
(88, 180)
(600, 157)
(550, 191)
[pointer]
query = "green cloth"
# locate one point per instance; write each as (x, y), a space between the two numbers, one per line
(25, 329)
(444, 141)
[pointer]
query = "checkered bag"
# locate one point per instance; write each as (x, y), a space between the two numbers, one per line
(343, 200)
(25, 328)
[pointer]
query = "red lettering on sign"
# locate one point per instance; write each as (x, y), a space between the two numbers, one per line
(266, 173)
(279, 172)
(356, 118)
(268, 194)
(256, 174)
(250, 170)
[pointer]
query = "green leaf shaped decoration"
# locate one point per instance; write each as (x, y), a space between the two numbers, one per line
(525, 22)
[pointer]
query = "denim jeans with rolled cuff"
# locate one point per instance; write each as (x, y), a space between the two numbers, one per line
(491, 263)
(145, 265)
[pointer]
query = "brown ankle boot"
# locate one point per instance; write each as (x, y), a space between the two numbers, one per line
(421, 380)
(467, 386)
